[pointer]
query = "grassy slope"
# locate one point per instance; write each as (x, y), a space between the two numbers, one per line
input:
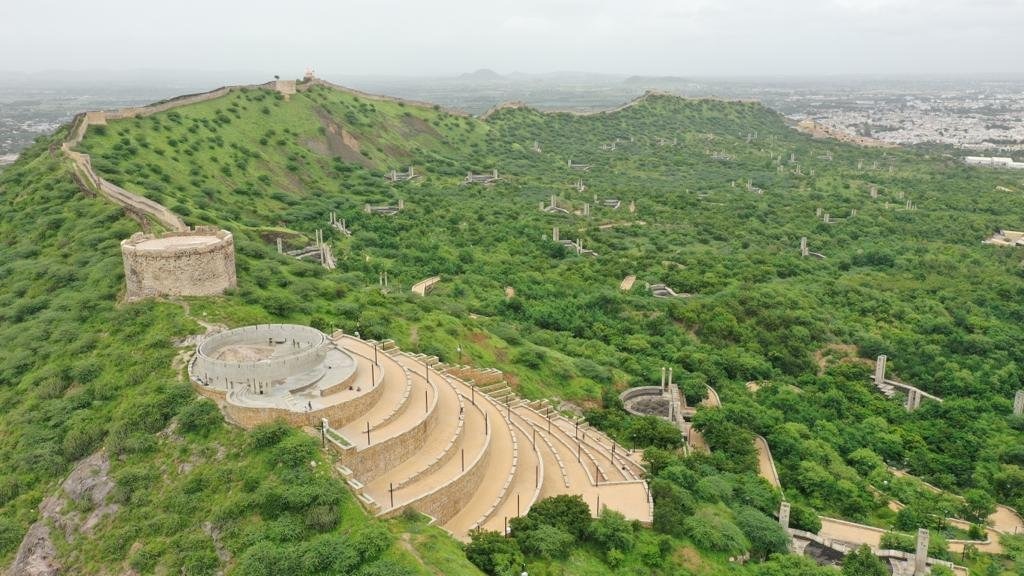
(252, 162)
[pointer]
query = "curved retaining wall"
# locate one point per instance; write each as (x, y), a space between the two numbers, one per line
(204, 270)
(639, 392)
(369, 462)
(447, 500)
(219, 372)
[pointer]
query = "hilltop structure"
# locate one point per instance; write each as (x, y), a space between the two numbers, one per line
(994, 161)
(452, 442)
(1006, 238)
(196, 262)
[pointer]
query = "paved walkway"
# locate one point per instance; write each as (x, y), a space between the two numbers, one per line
(499, 464)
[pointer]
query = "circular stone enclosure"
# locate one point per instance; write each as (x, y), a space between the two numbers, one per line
(645, 401)
(262, 356)
(199, 262)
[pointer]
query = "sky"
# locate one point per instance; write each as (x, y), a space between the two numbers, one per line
(448, 37)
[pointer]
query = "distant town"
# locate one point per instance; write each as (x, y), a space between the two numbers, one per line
(974, 115)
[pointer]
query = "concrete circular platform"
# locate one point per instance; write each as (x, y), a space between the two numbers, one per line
(268, 359)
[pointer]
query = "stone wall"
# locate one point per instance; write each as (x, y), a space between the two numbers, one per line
(369, 462)
(179, 271)
(336, 415)
(308, 356)
(447, 500)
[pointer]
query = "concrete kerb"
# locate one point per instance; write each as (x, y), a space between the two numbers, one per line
(593, 437)
(403, 403)
(512, 472)
(564, 442)
(540, 467)
(551, 447)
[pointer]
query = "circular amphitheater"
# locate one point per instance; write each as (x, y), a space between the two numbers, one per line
(452, 442)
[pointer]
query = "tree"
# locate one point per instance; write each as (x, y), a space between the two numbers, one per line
(611, 531)
(671, 505)
(653, 431)
(978, 505)
(548, 542)
(863, 562)
(493, 553)
(568, 512)
(765, 534)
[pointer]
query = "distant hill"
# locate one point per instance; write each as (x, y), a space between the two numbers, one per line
(482, 75)
(658, 81)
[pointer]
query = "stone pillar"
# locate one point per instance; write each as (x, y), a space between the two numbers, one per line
(913, 399)
(804, 252)
(632, 206)
(921, 553)
(825, 218)
(553, 204)
(280, 246)
(1018, 403)
(784, 515)
(818, 212)
(670, 376)
(880, 370)
(541, 205)
(554, 234)
(663, 378)
(401, 204)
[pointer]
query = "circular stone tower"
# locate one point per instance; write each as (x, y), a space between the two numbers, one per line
(197, 262)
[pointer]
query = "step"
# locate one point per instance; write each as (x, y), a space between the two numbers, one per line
(448, 451)
(501, 463)
(417, 494)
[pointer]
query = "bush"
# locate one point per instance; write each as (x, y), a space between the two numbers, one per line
(200, 416)
(611, 531)
(570, 513)
(545, 541)
(493, 553)
(863, 562)
(765, 534)
(10, 535)
(711, 530)
(804, 518)
(267, 435)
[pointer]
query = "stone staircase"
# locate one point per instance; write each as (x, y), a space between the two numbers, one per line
(464, 449)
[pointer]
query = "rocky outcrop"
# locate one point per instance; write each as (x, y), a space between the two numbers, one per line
(89, 483)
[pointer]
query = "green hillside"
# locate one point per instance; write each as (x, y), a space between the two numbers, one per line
(82, 371)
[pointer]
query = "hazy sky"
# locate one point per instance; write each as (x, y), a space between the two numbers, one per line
(427, 37)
